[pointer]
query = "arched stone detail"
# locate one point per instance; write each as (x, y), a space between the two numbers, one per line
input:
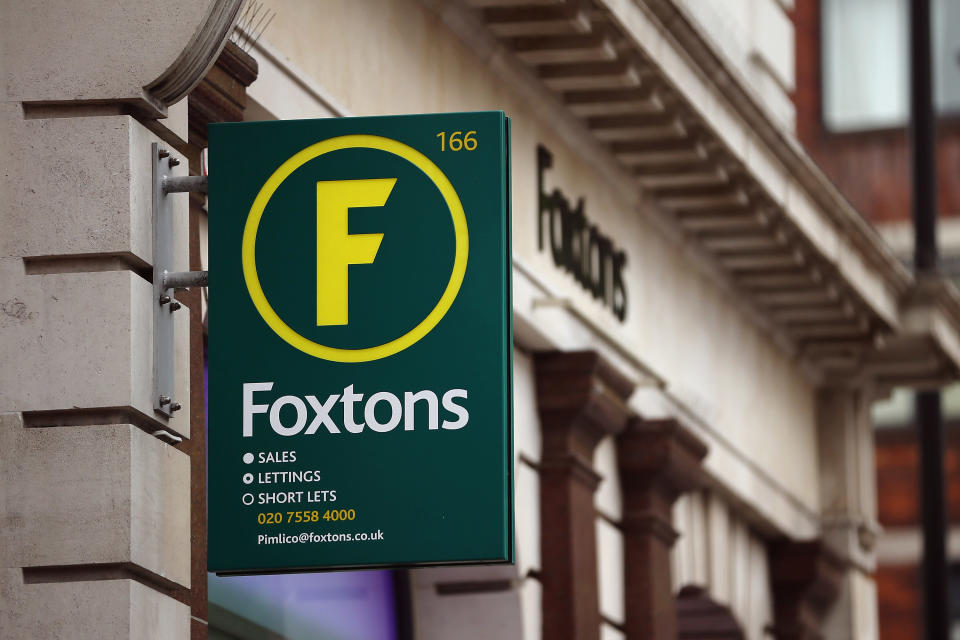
(196, 59)
(144, 57)
(700, 617)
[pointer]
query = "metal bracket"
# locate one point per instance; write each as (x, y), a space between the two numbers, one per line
(163, 434)
(164, 280)
(180, 184)
(185, 279)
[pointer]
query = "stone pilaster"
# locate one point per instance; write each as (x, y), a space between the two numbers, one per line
(659, 460)
(581, 399)
(848, 499)
(95, 529)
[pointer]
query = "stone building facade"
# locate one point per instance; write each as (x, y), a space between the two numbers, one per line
(695, 454)
(870, 163)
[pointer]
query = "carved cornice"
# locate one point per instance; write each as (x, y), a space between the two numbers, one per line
(650, 523)
(222, 94)
(659, 456)
(664, 112)
(574, 467)
(581, 398)
(197, 57)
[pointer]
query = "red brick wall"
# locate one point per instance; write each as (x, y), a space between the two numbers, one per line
(872, 168)
(898, 462)
(897, 490)
(898, 593)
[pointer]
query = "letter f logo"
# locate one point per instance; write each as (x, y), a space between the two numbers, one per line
(337, 249)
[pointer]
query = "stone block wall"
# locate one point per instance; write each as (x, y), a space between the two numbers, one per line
(95, 495)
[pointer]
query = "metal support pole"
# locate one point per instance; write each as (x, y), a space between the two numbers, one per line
(935, 600)
(185, 279)
(180, 184)
(929, 418)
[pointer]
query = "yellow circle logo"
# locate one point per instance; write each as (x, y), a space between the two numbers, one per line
(248, 248)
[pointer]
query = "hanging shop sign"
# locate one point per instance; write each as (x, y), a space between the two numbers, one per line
(360, 343)
(577, 245)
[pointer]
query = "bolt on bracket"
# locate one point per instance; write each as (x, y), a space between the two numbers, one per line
(164, 280)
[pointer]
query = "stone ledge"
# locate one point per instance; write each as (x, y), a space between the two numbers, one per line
(99, 494)
(105, 609)
(82, 186)
(82, 342)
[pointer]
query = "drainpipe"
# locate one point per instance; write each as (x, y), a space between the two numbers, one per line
(929, 418)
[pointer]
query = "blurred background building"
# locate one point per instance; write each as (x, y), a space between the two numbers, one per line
(694, 409)
(852, 116)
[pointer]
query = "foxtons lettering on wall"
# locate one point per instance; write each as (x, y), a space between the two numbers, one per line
(577, 245)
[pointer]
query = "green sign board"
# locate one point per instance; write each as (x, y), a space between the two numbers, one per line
(360, 343)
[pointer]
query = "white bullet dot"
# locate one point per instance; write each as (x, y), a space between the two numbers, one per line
(248, 458)
(247, 478)
(247, 498)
